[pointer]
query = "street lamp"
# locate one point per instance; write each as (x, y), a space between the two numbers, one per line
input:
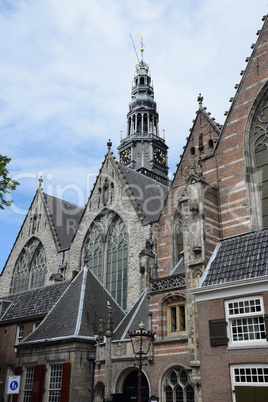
(141, 341)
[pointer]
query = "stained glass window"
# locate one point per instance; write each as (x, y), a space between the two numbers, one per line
(259, 148)
(106, 254)
(38, 267)
(30, 268)
(93, 251)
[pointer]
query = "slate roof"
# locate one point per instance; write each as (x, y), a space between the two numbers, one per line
(33, 302)
(139, 312)
(149, 194)
(239, 257)
(76, 314)
(65, 218)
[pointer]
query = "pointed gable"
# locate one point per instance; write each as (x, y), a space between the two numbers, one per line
(200, 144)
(139, 312)
(146, 194)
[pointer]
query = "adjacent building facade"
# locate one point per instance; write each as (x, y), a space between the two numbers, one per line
(169, 254)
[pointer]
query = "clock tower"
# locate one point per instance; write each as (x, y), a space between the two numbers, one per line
(143, 149)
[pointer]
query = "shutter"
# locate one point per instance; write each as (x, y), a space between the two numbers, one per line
(18, 371)
(65, 382)
(218, 332)
(266, 325)
(38, 383)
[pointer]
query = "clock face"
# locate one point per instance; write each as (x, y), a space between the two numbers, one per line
(125, 156)
(159, 156)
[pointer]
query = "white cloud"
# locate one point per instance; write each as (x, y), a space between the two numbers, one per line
(66, 71)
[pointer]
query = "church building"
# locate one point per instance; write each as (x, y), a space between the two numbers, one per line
(184, 261)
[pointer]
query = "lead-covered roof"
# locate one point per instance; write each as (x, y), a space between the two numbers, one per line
(33, 302)
(76, 314)
(148, 194)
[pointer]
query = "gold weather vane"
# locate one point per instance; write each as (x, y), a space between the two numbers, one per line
(142, 45)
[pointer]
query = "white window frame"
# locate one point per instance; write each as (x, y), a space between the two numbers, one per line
(27, 387)
(237, 305)
(36, 324)
(236, 371)
(49, 383)
(19, 335)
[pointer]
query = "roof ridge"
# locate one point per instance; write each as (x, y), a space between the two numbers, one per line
(142, 296)
(81, 303)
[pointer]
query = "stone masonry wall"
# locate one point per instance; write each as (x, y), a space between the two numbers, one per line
(43, 233)
(119, 202)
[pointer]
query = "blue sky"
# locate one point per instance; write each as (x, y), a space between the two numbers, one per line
(65, 78)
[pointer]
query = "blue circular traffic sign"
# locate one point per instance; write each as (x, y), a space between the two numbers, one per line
(14, 385)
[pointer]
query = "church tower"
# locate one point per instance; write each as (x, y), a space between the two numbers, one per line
(143, 149)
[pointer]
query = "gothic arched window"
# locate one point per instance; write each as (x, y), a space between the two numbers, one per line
(38, 267)
(177, 387)
(106, 254)
(93, 250)
(30, 268)
(257, 150)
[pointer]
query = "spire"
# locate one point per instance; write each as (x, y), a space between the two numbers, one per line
(142, 116)
(142, 148)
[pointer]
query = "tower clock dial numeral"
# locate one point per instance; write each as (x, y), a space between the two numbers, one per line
(159, 156)
(125, 156)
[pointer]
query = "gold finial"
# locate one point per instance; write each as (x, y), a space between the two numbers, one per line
(142, 45)
(141, 326)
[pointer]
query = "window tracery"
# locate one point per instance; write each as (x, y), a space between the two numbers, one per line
(30, 268)
(261, 158)
(177, 387)
(258, 152)
(106, 254)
